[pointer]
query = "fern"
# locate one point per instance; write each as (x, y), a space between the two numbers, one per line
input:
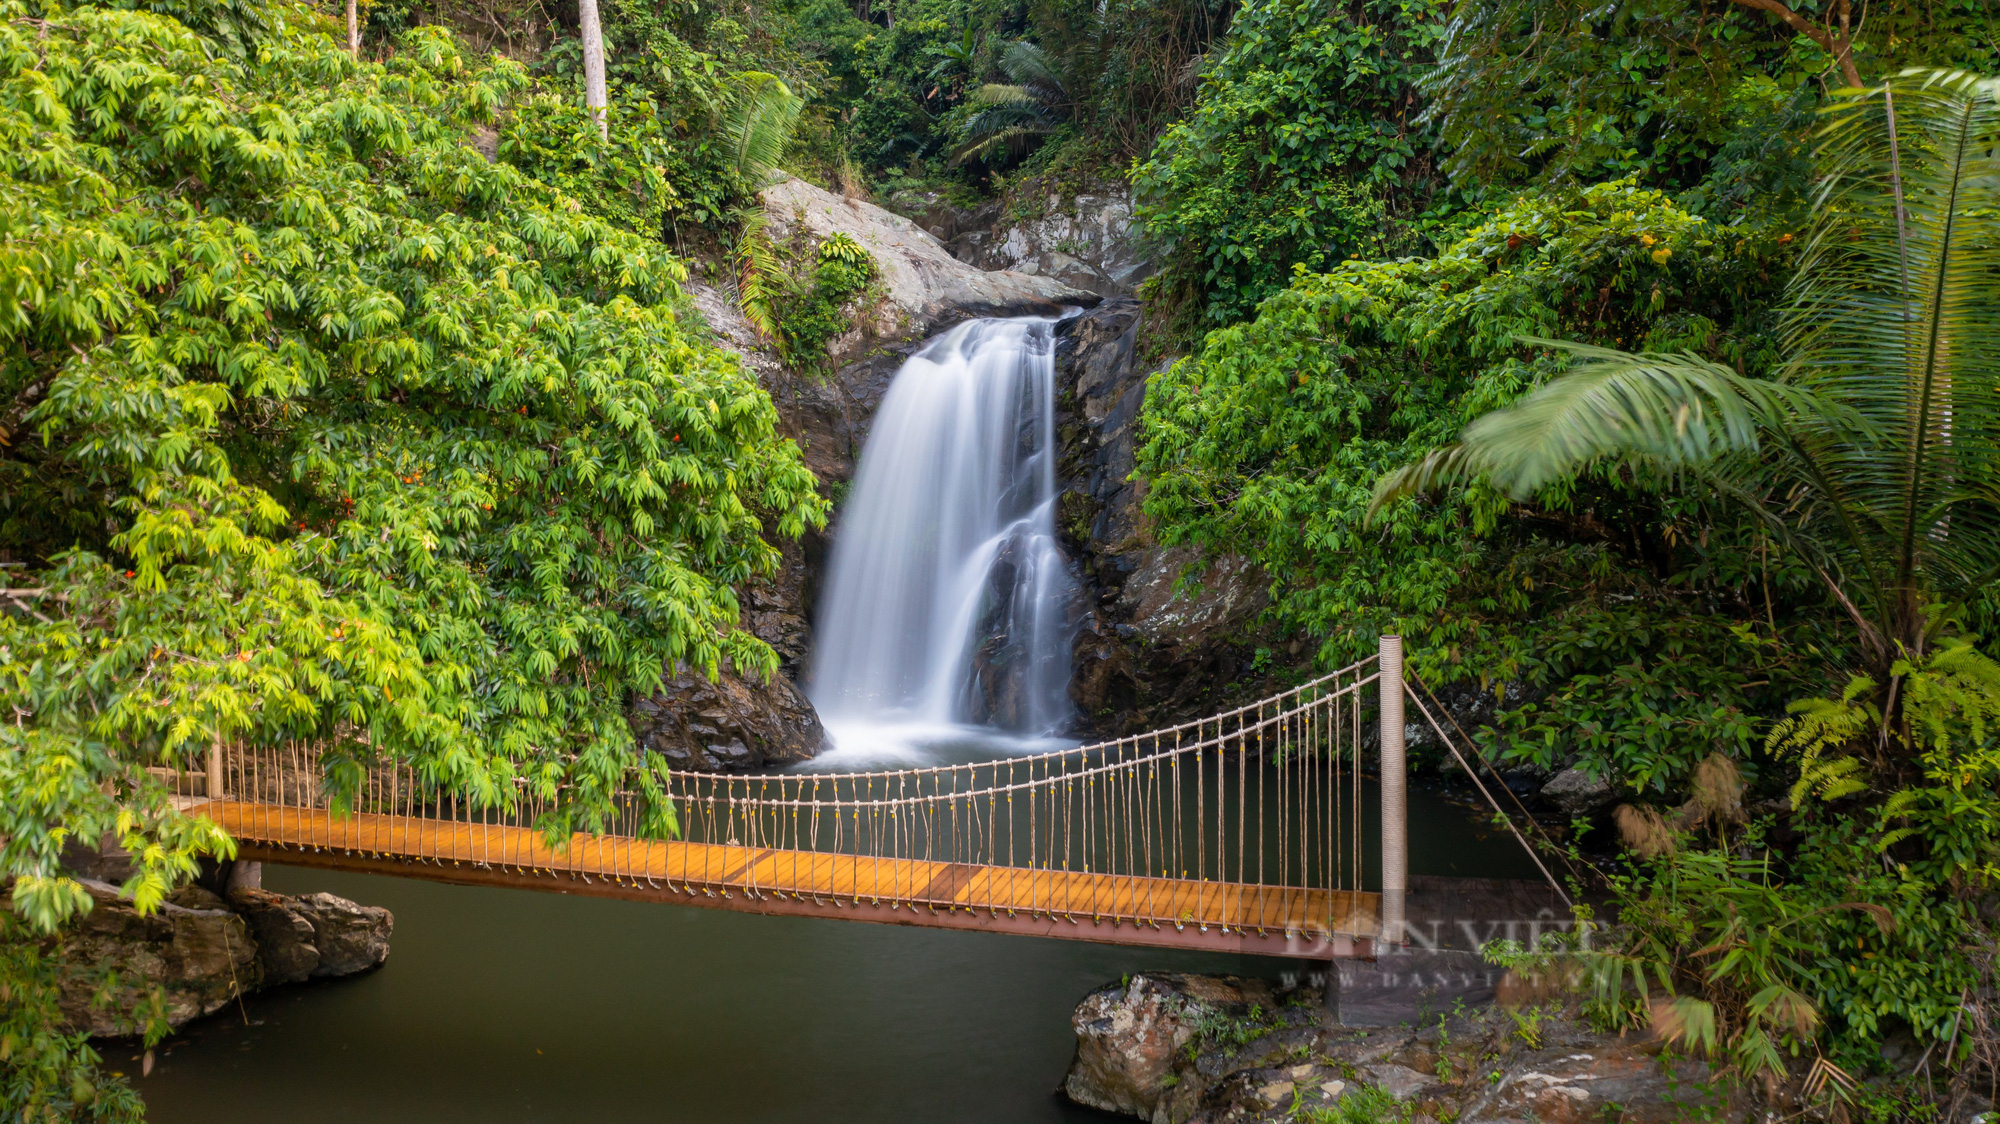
(761, 281)
(1818, 726)
(1956, 687)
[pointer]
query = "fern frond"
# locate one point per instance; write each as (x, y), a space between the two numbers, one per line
(1814, 733)
(761, 280)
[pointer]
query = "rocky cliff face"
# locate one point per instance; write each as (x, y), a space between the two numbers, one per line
(1154, 648)
(740, 723)
(1086, 241)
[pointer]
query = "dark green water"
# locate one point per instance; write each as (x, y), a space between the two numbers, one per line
(516, 1006)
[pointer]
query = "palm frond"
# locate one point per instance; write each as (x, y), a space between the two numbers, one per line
(1894, 308)
(1026, 64)
(995, 94)
(1665, 410)
(1015, 114)
(1014, 139)
(763, 111)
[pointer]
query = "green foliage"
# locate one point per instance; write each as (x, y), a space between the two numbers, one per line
(381, 446)
(665, 161)
(1760, 958)
(797, 314)
(1716, 961)
(1570, 91)
(46, 1074)
(1365, 1104)
(322, 427)
(1301, 150)
(1876, 430)
(1268, 441)
(819, 313)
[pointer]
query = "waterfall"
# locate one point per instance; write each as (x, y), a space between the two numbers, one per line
(947, 599)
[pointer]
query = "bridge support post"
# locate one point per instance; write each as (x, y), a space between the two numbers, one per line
(1395, 794)
(215, 769)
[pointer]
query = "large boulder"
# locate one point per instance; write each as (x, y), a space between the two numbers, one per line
(199, 953)
(1578, 792)
(1129, 1036)
(203, 952)
(351, 938)
(925, 289)
(313, 935)
(732, 723)
(1087, 240)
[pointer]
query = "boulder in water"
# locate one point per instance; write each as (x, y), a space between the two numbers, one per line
(732, 723)
(203, 952)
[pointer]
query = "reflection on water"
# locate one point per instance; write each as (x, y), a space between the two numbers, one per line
(508, 1005)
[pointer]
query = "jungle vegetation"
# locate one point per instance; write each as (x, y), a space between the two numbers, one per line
(1629, 359)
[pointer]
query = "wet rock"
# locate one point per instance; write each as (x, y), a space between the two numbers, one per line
(1575, 792)
(1152, 649)
(734, 723)
(778, 609)
(200, 958)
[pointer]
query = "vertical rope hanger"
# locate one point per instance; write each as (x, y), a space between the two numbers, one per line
(1109, 806)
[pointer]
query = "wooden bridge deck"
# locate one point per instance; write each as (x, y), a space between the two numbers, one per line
(1111, 909)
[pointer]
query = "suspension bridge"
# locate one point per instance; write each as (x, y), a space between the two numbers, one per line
(1242, 832)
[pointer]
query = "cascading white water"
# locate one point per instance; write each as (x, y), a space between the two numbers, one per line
(948, 600)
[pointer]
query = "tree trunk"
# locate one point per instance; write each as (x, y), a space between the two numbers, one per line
(593, 65)
(1838, 44)
(353, 29)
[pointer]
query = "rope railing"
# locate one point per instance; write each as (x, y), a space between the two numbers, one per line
(1249, 818)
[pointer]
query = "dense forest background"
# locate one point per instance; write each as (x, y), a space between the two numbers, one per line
(351, 398)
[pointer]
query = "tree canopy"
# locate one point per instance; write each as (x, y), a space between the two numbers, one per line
(322, 426)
